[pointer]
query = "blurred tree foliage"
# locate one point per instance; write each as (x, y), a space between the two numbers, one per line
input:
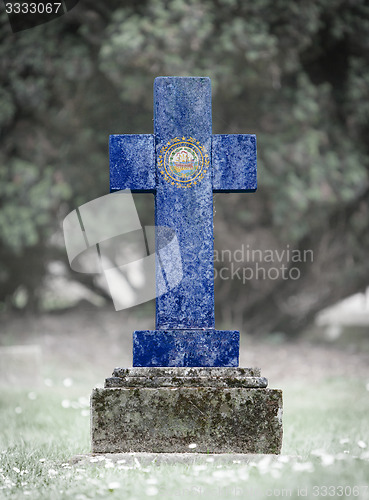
(294, 73)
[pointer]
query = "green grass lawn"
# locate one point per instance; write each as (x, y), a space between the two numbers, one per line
(325, 451)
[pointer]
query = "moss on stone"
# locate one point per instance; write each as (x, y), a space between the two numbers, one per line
(218, 420)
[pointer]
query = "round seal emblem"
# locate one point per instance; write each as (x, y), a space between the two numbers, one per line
(183, 162)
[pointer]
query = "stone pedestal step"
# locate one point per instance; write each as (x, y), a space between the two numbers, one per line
(175, 382)
(174, 371)
(186, 377)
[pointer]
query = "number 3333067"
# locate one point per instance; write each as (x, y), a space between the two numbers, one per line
(32, 8)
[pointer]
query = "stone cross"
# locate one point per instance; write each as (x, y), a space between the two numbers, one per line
(183, 164)
(185, 388)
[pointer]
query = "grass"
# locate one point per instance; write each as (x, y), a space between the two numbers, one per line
(325, 451)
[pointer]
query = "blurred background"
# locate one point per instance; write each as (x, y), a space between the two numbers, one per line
(294, 73)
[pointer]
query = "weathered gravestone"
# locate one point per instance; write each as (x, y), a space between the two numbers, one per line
(185, 386)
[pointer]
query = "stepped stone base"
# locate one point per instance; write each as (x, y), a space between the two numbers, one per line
(165, 410)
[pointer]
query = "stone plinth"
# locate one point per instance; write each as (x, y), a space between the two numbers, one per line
(164, 410)
(205, 347)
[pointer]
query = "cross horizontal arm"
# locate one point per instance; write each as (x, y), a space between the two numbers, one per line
(234, 162)
(132, 162)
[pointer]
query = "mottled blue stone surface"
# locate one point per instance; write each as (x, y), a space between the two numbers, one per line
(132, 162)
(182, 108)
(185, 348)
(185, 334)
(234, 163)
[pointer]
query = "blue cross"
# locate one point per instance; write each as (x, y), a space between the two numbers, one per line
(183, 164)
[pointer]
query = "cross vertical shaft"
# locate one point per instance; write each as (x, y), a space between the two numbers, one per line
(182, 110)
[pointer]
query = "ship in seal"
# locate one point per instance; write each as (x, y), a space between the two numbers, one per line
(184, 164)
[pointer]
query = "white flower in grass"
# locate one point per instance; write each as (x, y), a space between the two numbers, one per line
(210, 459)
(32, 396)
(243, 474)
(52, 472)
(109, 465)
(341, 456)
(344, 440)
(318, 453)
(65, 403)
(121, 461)
(114, 485)
(67, 382)
(85, 413)
(8, 483)
(327, 460)
(152, 491)
(42, 460)
(94, 459)
(15, 469)
(219, 474)
(275, 473)
(84, 402)
(303, 467)
(152, 480)
(192, 446)
(277, 465)
(361, 444)
(367, 386)
(264, 464)
(26, 492)
(199, 467)
(18, 410)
